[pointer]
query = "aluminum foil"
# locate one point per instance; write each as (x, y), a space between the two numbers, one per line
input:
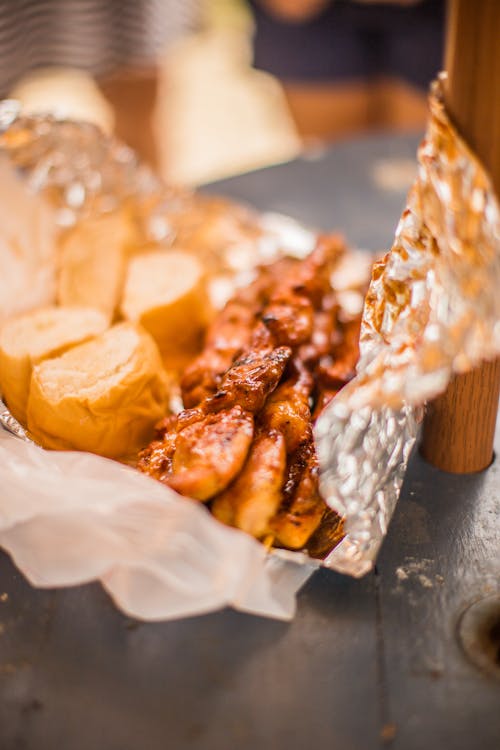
(10, 423)
(432, 307)
(82, 172)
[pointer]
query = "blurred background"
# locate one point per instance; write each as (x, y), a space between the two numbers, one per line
(204, 89)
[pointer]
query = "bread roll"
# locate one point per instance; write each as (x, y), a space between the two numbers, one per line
(92, 262)
(30, 338)
(103, 396)
(165, 292)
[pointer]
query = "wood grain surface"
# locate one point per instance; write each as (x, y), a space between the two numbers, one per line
(460, 425)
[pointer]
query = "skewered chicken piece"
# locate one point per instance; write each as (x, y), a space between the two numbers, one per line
(199, 457)
(289, 316)
(338, 368)
(323, 333)
(229, 335)
(311, 278)
(250, 380)
(156, 459)
(287, 409)
(210, 453)
(340, 365)
(328, 534)
(302, 507)
(284, 423)
(297, 520)
(255, 496)
(206, 447)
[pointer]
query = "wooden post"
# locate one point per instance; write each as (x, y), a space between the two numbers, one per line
(459, 425)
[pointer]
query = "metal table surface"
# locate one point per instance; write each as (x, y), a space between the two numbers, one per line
(364, 664)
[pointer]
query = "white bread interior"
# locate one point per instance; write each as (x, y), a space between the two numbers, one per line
(165, 292)
(92, 262)
(104, 396)
(30, 338)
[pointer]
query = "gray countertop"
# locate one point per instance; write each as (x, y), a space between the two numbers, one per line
(365, 664)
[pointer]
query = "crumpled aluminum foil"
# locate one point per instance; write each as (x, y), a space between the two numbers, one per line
(432, 307)
(82, 172)
(10, 423)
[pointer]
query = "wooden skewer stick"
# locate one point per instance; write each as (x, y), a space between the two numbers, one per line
(459, 425)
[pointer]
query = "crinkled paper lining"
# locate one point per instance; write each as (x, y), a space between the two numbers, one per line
(432, 309)
(69, 518)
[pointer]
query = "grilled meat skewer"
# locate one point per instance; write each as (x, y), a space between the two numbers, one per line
(245, 442)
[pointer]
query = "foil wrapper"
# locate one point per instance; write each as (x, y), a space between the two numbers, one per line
(10, 424)
(432, 309)
(80, 172)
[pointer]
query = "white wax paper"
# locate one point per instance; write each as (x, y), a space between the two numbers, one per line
(71, 518)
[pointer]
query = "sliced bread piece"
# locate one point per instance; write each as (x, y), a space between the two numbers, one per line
(104, 396)
(165, 292)
(30, 338)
